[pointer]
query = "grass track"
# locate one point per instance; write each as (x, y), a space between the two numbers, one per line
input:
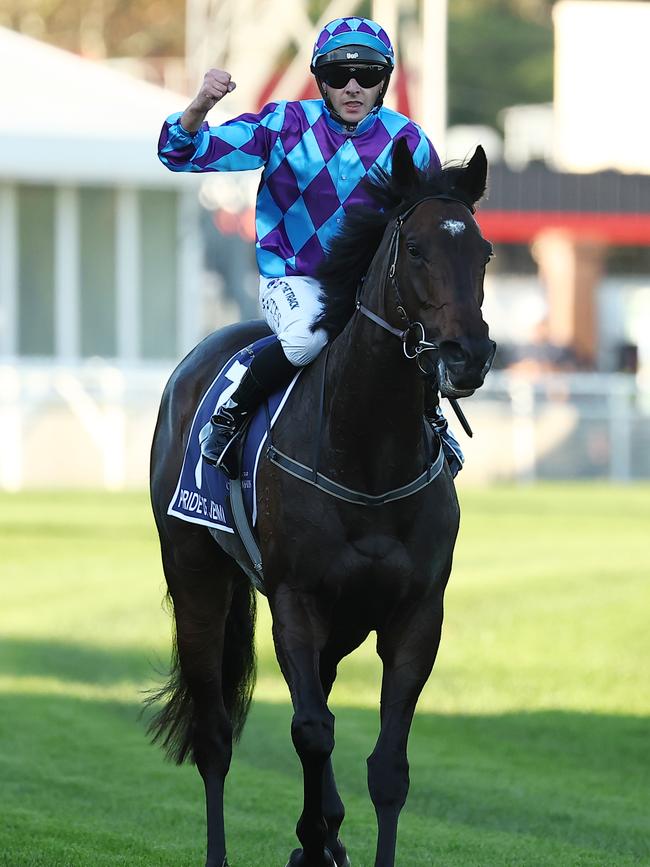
(530, 747)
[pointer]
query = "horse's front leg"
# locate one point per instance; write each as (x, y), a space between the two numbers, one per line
(407, 647)
(334, 813)
(299, 637)
(333, 808)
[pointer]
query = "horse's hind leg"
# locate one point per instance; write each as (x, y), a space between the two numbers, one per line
(213, 669)
(408, 648)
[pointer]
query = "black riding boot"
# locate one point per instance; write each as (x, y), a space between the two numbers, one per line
(268, 371)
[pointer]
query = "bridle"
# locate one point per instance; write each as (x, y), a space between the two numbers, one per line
(405, 335)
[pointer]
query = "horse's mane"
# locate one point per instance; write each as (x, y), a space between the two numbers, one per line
(353, 247)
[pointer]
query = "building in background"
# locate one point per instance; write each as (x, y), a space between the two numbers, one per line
(99, 252)
(569, 206)
(111, 267)
(103, 277)
(602, 79)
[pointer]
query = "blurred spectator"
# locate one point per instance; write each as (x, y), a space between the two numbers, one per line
(541, 355)
(627, 358)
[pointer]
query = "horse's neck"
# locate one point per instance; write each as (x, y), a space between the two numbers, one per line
(374, 400)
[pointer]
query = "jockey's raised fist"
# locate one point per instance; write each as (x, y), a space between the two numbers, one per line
(216, 84)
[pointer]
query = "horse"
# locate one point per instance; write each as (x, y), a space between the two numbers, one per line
(403, 289)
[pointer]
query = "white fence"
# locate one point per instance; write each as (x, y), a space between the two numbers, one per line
(91, 426)
(578, 426)
(77, 426)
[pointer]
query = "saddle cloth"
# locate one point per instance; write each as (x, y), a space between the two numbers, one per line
(202, 492)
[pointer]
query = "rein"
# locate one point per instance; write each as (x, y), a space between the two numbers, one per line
(422, 345)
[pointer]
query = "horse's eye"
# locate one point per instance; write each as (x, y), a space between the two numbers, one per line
(413, 251)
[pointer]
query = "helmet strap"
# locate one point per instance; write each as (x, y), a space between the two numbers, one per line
(382, 93)
(328, 105)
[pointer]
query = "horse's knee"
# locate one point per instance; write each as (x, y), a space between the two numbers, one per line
(388, 780)
(313, 735)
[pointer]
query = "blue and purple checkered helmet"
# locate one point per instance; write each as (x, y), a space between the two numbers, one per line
(367, 39)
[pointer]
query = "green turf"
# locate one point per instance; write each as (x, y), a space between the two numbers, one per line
(530, 747)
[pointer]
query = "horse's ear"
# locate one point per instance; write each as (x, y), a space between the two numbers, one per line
(473, 178)
(404, 171)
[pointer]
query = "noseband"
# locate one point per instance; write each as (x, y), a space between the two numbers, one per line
(422, 344)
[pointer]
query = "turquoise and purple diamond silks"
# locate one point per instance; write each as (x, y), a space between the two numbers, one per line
(313, 171)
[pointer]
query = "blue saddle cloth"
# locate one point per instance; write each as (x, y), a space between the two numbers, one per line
(202, 492)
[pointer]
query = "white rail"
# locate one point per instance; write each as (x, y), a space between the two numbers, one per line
(586, 425)
(77, 426)
(90, 426)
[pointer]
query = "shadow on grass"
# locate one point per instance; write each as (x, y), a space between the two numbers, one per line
(81, 663)
(573, 779)
(571, 786)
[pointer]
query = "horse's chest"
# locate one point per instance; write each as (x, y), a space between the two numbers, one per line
(362, 564)
(310, 537)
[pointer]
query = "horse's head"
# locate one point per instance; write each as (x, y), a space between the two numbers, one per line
(438, 261)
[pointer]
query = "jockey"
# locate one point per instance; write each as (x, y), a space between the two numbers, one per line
(315, 155)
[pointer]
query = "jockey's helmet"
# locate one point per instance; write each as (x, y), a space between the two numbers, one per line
(353, 42)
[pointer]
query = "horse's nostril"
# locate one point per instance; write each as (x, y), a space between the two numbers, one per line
(452, 352)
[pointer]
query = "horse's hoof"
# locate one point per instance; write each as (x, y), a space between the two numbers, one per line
(297, 859)
(339, 854)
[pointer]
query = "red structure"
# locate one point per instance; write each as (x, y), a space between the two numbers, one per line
(569, 221)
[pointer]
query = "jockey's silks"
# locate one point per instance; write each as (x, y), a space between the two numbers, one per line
(313, 171)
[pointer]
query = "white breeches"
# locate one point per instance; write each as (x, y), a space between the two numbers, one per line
(290, 305)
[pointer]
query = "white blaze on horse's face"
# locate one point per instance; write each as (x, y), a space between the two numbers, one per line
(454, 227)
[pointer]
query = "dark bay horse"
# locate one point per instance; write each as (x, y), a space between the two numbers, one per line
(334, 570)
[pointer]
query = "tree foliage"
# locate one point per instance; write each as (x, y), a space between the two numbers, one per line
(102, 28)
(500, 53)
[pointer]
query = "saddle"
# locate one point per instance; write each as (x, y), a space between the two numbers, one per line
(203, 493)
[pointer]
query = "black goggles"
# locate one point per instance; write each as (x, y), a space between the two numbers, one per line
(337, 76)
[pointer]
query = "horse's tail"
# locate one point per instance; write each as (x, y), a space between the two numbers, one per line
(172, 724)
